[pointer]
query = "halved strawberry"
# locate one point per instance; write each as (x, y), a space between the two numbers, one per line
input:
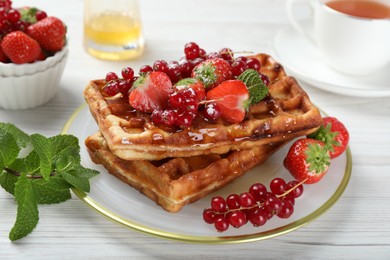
(232, 97)
(151, 92)
(212, 72)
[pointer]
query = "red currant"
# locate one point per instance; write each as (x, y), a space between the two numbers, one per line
(237, 218)
(111, 76)
(160, 65)
(278, 186)
(238, 67)
(226, 54)
(221, 223)
(258, 191)
(287, 209)
(232, 201)
(258, 217)
(209, 216)
(218, 204)
(265, 79)
(13, 16)
(253, 63)
(247, 200)
(298, 188)
(145, 69)
(127, 73)
(212, 111)
(40, 15)
(191, 50)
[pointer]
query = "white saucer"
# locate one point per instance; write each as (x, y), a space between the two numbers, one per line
(303, 60)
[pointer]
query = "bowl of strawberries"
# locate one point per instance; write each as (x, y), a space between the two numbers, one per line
(33, 54)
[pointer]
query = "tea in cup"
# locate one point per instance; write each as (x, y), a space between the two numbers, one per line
(353, 36)
(112, 29)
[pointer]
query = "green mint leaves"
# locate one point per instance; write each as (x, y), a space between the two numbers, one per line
(39, 170)
(257, 89)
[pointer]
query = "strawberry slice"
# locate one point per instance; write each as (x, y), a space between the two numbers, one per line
(212, 72)
(150, 92)
(232, 98)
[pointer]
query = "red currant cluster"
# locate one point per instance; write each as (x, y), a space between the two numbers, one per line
(11, 19)
(117, 85)
(256, 206)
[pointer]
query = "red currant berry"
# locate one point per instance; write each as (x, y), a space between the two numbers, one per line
(287, 209)
(209, 216)
(241, 59)
(169, 117)
(237, 219)
(40, 15)
(174, 72)
(232, 201)
(124, 86)
(191, 50)
(218, 204)
(145, 69)
(258, 191)
(197, 61)
(111, 76)
(265, 79)
(253, 63)
(13, 16)
(184, 119)
(273, 205)
(289, 197)
(127, 73)
(258, 217)
(212, 112)
(247, 200)
(202, 53)
(160, 65)
(186, 67)
(238, 67)
(226, 54)
(157, 117)
(278, 186)
(111, 88)
(298, 189)
(221, 224)
(176, 99)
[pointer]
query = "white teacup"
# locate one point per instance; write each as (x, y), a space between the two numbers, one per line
(349, 44)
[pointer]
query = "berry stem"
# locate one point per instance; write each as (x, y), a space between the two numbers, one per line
(290, 190)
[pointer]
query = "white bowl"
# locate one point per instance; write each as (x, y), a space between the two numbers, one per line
(12, 69)
(32, 90)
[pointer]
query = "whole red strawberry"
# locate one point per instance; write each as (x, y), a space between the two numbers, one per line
(232, 98)
(49, 32)
(307, 160)
(20, 48)
(151, 92)
(212, 72)
(334, 134)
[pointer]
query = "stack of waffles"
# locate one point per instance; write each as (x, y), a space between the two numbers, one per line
(177, 167)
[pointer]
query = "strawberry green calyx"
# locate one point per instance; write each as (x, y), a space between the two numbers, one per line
(257, 89)
(317, 157)
(206, 74)
(28, 14)
(325, 135)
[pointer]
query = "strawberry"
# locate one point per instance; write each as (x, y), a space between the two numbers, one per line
(212, 72)
(49, 32)
(194, 84)
(334, 134)
(307, 160)
(150, 92)
(3, 57)
(232, 98)
(20, 48)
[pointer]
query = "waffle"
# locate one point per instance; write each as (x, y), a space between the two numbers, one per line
(174, 182)
(284, 114)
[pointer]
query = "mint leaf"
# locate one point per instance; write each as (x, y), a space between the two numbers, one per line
(21, 137)
(257, 89)
(55, 190)
(42, 146)
(61, 142)
(7, 181)
(27, 213)
(78, 182)
(85, 172)
(32, 162)
(67, 159)
(9, 149)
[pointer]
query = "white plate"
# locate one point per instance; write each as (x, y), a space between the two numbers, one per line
(301, 58)
(125, 205)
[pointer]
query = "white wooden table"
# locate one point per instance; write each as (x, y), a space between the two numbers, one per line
(356, 227)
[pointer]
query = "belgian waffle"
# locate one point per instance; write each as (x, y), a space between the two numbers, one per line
(286, 113)
(174, 182)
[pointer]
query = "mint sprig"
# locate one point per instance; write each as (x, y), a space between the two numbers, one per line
(39, 170)
(256, 87)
